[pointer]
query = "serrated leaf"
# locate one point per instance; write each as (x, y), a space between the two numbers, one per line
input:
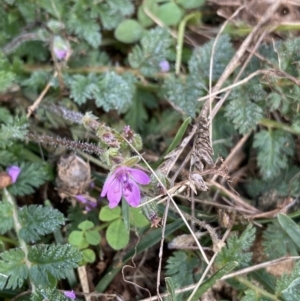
(154, 49)
(286, 282)
(117, 236)
(113, 92)
(78, 239)
(32, 176)
(290, 227)
(6, 217)
(52, 261)
(129, 31)
(81, 88)
(93, 237)
(274, 150)
(12, 264)
(38, 221)
(213, 279)
(237, 247)
(251, 295)
(292, 293)
(107, 214)
(184, 93)
(43, 293)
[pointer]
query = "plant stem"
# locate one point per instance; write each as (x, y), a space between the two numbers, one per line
(18, 227)
(274, 124)
(255, 288)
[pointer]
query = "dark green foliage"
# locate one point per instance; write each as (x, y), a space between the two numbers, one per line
(184, 93)
(180, 267)
(50, 294)
(52, 261)
(6, 218)
(199, 63)
(32, 176)
(12, 129)
(38, 221)
(154, 49)
(277, 243)
(288, 285)
(12, 265)
(7, 77)
(236, 249)
(7, 157)
(275, 148)
(110, 91)
(251, 295)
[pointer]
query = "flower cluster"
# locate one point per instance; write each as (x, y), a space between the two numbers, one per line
(124, 181)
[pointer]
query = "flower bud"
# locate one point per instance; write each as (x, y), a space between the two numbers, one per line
(61, 48)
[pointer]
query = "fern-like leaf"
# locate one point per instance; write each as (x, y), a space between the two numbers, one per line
(13, 270)
(32, 176)
(114, 92)
(154, 49)
(199, 63)
(277, 243)
(288, 285)
(274, 150)
(6, 217)
(184, 93)
(52, 260)
(236, 248)
(46, 293)
(38, 221)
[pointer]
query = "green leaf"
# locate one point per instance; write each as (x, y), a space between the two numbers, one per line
(7, 77)
(129, 31)
(154, 49)
(152, 7)
(274, 150)
(78, 239)
(277, 243)
(6, 216)
(86, 225)
(125, 214)
(190, 4)
(180, 133)
(12, 265)
(251, 295)
(52, 260)
(88, 255)
(170, 288)
(236, 248)
(137, 218)
(38, 221)
(32, 175)
(117, 236)
(110, 98)
(290, 227)
(169, 13)
(47, 293)
(244, 114)
(213, 279)
(93, 237)
(107, 214)
(199, 63)
(289, 284)
(184, 93)
(151, 238)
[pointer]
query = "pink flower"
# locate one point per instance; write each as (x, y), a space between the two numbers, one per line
(123, 181)
(13, 171)
(70, 294)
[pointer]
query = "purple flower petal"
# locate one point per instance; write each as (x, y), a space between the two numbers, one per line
(70, 294)
(60, 53)
(13, 172)
(139, 176)
(164, 66)
(114, 194)
(132, 194)
(81, 199)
